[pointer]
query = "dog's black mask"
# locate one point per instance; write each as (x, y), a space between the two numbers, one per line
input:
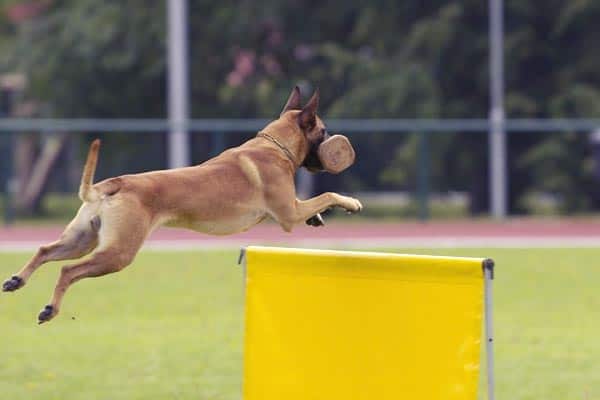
(312, 162)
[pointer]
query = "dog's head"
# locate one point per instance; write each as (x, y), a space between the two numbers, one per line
(325, 152)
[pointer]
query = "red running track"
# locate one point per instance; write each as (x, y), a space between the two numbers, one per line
(512, 233)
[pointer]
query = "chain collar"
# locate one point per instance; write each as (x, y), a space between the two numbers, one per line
(287, 152)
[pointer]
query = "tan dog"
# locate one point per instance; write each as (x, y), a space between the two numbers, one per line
(227, 194)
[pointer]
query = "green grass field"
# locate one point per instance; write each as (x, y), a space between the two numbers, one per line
(170, 327)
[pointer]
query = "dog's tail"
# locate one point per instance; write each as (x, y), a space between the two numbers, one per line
(86, 191)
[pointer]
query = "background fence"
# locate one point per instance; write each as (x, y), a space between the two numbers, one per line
(213, 135)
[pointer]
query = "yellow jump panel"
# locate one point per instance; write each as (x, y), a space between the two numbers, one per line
(328, 325)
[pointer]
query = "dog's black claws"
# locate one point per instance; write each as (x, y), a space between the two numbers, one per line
(12, 284)
(45, 314)
(315, 220)
(359, 209)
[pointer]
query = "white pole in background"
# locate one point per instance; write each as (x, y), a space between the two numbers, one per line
(178, 107)
(497, 136)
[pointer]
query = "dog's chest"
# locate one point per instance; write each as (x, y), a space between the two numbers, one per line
(226, 225)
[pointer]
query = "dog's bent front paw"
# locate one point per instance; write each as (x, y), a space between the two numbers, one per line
(47, 313)
(12, 284)
(354, 206)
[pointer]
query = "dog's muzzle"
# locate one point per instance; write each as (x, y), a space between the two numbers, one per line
(336, 154)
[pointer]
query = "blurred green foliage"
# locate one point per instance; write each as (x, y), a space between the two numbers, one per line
(381, 59)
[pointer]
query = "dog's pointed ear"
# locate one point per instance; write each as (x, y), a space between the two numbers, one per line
(293, 102)
(307, 119)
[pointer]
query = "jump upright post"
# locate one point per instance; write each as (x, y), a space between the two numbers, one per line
(333, 325)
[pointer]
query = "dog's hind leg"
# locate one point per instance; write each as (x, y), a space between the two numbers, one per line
(120, 239)
(78, 239)
(101, 263)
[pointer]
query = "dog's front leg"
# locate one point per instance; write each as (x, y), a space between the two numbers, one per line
(301, 210)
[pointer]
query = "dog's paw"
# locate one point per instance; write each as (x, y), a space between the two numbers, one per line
(46, 314)
(12, 284)
(354, 206)
(315, 220)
